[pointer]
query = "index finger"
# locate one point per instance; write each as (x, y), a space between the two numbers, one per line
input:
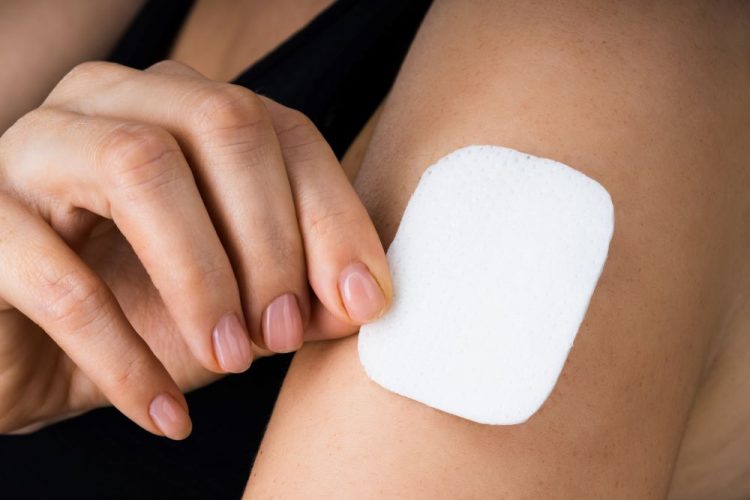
(346, 263)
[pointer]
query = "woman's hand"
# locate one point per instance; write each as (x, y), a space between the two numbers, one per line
(148, 222)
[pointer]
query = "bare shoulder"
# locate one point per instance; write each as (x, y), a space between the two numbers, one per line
(652, 102)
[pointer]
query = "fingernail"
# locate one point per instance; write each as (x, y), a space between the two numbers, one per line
(232, 344)
(362, 296)
(282, 324)
(170, 417)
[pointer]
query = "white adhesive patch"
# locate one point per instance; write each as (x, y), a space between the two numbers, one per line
(493, 265)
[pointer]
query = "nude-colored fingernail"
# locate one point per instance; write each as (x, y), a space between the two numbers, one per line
(361, 294)
(282, 324)
(232, 344)
(170, 417)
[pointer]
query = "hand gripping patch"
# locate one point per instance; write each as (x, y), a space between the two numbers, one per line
(493, 265)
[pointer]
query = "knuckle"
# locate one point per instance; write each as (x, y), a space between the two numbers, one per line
(140, 157)
(228, 108)
(86, 70)
(298, 136)
(331, 224)
(90, 72)
(29, 121)
(205, 274)
(22, 131)
(169, 65)
(292, 122)
(73, 300)
(129, 373)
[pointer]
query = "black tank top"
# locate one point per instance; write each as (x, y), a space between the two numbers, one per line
(336, 70)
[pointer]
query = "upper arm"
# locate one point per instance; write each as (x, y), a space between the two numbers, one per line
(647, 101)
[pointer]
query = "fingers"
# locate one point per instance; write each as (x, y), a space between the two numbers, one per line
(231, 145)
(46, 281)
(137, 176)
(246, 185)
(346, 263)
(363, 297)
(231, 140)
(236, 154)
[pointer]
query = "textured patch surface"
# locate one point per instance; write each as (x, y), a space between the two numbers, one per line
(494, 264)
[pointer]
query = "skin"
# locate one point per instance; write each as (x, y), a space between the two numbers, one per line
(221, 38)
(42, 40)
(665, 341)
(652, 102)
(147, 214)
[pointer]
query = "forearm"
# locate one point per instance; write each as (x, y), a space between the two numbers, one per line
(41, 40)
(645, 102)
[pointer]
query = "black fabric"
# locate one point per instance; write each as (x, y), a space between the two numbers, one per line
(336, 70)
(150, 36)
